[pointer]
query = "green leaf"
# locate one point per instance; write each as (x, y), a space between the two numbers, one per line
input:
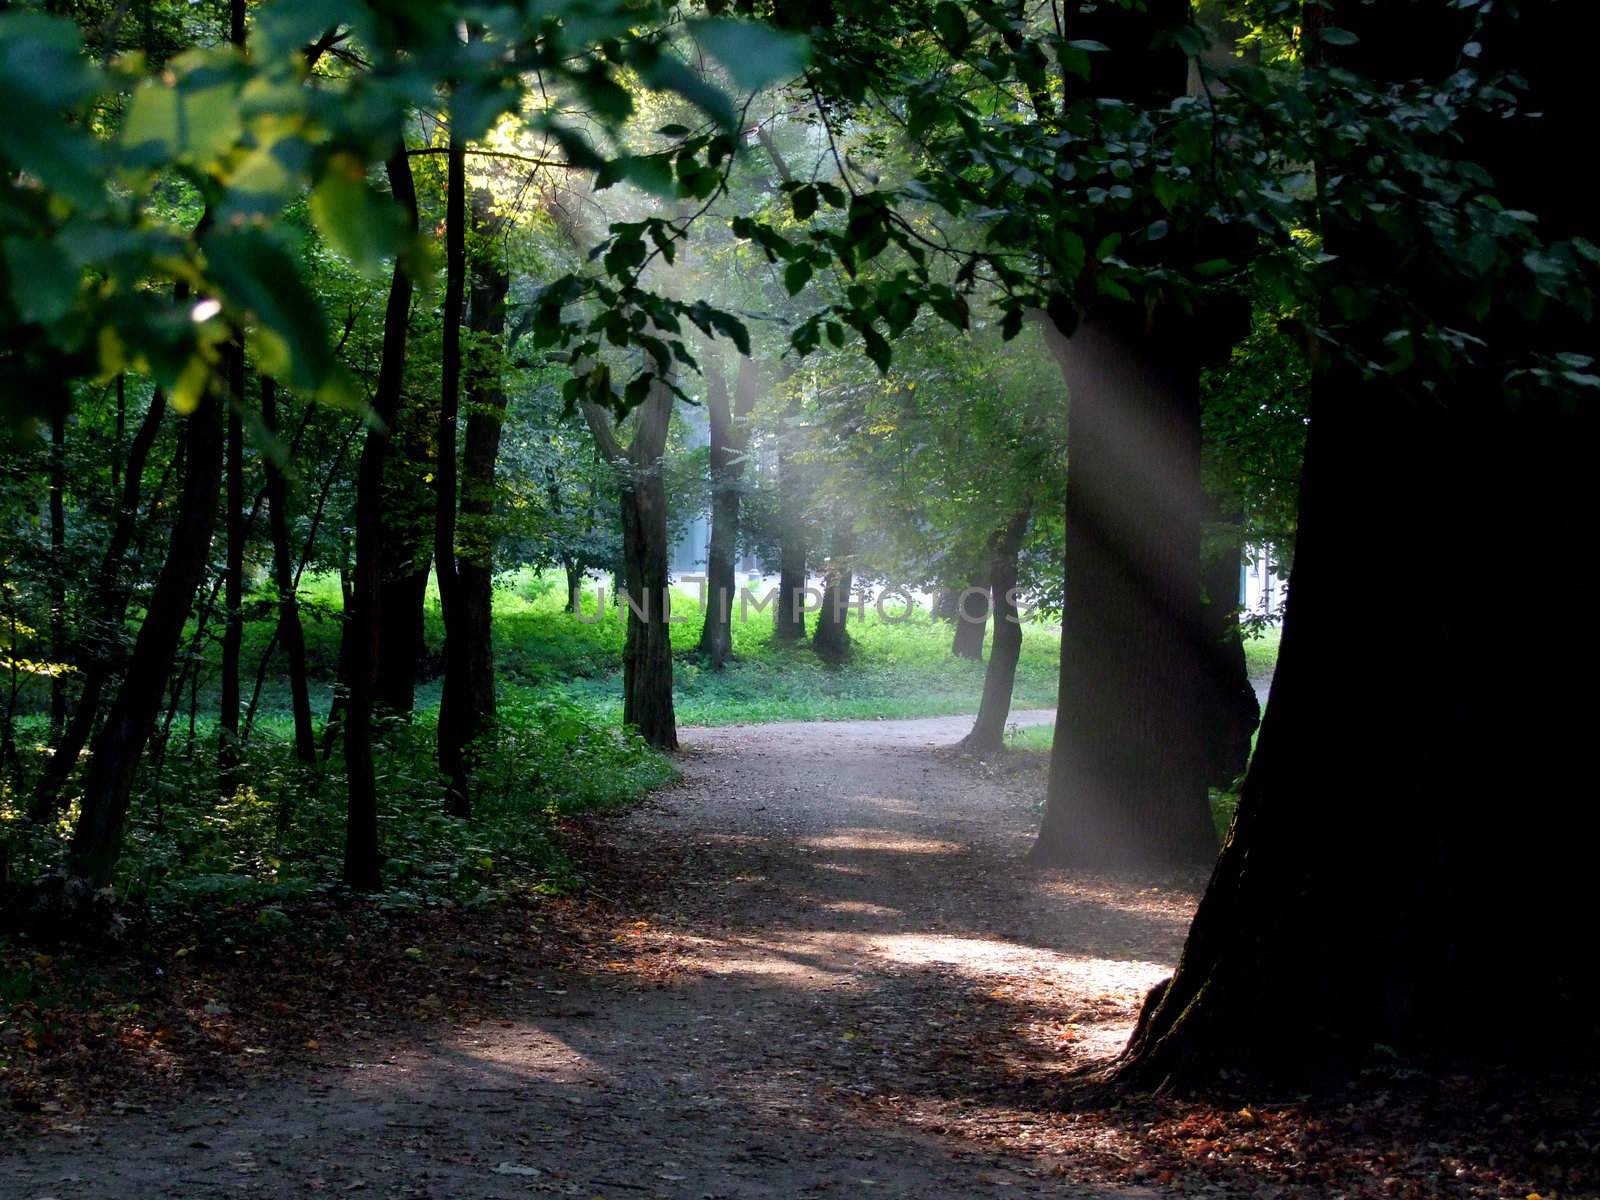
(188, 114)
(258, 277)
(44, 281)
(1338, 37)
(796, 275)
(754, 55)
(804, 200)
(365, 227)
(951, 24)
(877, 348)
(189, 387)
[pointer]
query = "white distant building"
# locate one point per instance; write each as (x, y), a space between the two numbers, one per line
(1261, 588)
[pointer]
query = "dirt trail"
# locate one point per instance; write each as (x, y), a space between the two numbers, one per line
(864, 975)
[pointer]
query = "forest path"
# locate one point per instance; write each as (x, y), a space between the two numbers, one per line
(857, 990)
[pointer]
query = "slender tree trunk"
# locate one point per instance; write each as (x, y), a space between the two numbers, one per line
(1127, 781)
(972, 618)
(831, 640)
(410, 505)
(988, 731)
(108, 786)
(789, 622)
(290, 632)
(647, 653)
(119, 447)
(233, 622)
(233, 575)
(1229, 711)
(58, 567)
(468, 703)
(362, 650)
(1127, 771)
(453, 711)
(403, 634)
(730, 437)
(107, 610)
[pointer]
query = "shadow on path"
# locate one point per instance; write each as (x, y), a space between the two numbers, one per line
(836, 932)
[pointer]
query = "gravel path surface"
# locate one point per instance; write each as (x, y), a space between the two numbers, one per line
(858, 956)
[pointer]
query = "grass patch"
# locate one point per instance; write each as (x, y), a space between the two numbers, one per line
(1261, 652)
(896, 669)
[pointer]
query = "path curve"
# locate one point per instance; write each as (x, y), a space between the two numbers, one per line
(860, 974)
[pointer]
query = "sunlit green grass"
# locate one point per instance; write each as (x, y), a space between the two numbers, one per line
(896, 669)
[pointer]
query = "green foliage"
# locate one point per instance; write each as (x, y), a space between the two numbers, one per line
(283, 833)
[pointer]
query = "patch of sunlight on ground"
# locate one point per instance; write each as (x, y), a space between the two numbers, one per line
(863, 907)
(881, 839)
(983, 957)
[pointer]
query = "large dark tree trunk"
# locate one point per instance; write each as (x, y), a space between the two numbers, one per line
(730, 436)
(233, 576)
(647, 654)
(1323, 936)
(1324, 942)
(290, 632)
(971, 618)
(452, 725)
(789, 620)
(831, 640)
(468, 702)
(988, 731)
(1229, 710)
(108, 608)
(361, 649)
(1127, 779)
(108, 786)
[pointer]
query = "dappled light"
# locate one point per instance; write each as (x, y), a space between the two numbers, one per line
(770, 601)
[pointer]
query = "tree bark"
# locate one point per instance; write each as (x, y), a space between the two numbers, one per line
(403, 631)
(1320, 936)
(108, 786)
(233, 570)
(1324, 942)
(363, 622)
(290, 632)
(647, 654)
(452, 726)
(233, 575)
(971, 618)
(789, 621)
(1127, 781)
(831, 640)
(730, 438)
(999, 677)
(468, 702)
(58, 565)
